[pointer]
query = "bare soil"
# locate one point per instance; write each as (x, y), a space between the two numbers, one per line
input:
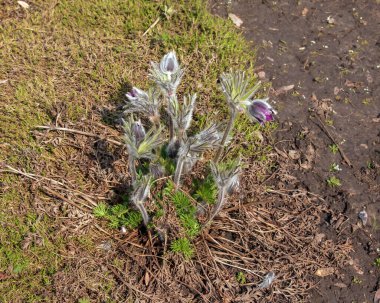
(330, 52)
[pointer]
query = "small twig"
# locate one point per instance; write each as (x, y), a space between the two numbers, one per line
(74, 131)
(10, 169)
(238, 267)
(53, 193)
(326, 131)
(151, 26)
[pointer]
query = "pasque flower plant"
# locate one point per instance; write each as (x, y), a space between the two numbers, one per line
(178, 146)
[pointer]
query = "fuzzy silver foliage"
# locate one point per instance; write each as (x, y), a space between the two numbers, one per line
(207, 139)
(192, 148)
(235, 86)
(156, 170)
(182, 114)
(147, 103)
(226, 175)
(140, 193)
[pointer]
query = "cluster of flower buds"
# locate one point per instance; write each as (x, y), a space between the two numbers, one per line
(185, 150)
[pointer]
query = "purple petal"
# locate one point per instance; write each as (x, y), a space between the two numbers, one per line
(169, 63)
(261, 111)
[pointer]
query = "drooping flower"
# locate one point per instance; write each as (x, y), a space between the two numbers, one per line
(167, 74)
(235, 87)
(261, 111)
(147, 103)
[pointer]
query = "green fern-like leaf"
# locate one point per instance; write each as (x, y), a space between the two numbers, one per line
(119, 210)
(190, 224)
(186, 212)
(182, 202)
(114, 222)
(183, 246)
(169, 188)
(101, 210)
(132, 220)
(207, 190)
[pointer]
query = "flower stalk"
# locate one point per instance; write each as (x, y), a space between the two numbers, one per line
(225, 135)
(178, 171)
(219, 204)
(140, 194)
(132, 168)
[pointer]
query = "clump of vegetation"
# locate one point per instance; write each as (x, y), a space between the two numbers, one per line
(334, 148)
(182, 246)
(156, 154)
(333, 181)
(241, 278)
(377, 262)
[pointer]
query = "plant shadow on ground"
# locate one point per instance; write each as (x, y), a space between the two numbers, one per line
(113, 115)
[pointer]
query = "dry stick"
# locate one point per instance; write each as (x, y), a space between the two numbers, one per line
(74, 131)
(53, 193)
(217, 259)
(225, 136)
(194, 289)
(10, 169)
(152, 25)
(326, 131)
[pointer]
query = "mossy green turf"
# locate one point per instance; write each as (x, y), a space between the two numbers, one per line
(78, 55)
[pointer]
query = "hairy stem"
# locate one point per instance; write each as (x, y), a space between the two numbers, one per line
(219, 204)
(171, 129)
(143, 212)
(132, 168)
(171, 124)
(225, 135)
(178, 171)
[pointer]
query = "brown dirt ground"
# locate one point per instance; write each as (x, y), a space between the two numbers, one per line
(330, 52)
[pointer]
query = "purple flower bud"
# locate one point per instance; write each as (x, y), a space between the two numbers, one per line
(138, 132)
(136, 94)
(260, 110)
(169, 63)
